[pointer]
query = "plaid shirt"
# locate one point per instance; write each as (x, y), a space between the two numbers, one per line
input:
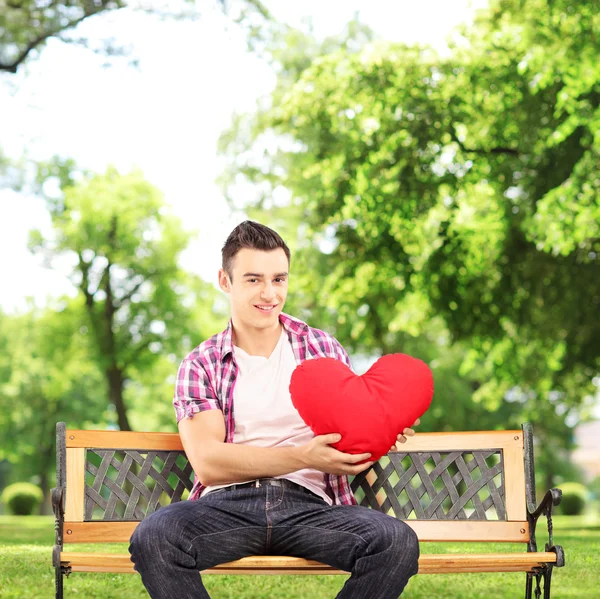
(207, 376)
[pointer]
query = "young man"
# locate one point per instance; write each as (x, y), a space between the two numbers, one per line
(265, 484)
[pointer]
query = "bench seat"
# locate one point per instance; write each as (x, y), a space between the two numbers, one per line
(442, 563)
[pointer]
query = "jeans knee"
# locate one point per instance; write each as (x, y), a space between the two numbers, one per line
(403, 542)
(412, 548)
(148, 537)
(140, 537)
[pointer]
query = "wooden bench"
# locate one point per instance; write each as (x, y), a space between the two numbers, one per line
(464, 486)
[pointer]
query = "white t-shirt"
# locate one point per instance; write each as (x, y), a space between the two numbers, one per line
(263, 410)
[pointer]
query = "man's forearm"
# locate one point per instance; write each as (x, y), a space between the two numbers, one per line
(219, 463)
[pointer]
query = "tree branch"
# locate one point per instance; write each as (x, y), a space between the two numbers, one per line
(102, 280)
(109, 305)
(40, 39)
(261, 9)
(89, 300)
(85, 281)
(123, 300)
(136, 352)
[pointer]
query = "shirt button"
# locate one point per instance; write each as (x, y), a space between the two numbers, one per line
(226, 411)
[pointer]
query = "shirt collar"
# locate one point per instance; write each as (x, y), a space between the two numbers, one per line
(294, 327)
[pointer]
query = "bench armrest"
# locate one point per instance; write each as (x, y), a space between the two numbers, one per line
(58, 502)
(551, 499)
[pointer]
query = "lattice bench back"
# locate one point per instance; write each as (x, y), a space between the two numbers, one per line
(447, 486)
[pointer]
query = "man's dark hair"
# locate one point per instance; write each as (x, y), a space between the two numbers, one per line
(254, 236)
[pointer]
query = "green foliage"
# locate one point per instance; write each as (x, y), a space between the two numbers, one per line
(574, 499)
(47, 374)
(137, 304)
(22, 499)
(109, 355)
(25, 26)
(455, 194)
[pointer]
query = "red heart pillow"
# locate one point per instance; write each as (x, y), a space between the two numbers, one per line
(369, 411)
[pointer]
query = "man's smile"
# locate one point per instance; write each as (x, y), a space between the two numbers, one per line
(266, 307)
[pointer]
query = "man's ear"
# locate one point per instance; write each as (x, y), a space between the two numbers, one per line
(224, 282)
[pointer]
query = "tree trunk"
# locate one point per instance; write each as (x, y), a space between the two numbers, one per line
(46, 506)
(115, 382)
(115, 392)
(47, 457)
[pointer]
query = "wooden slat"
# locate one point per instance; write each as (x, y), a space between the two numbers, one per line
(428, 564)
(98, 532)
(75, 485)
(320, 572)
(427, 530)
(474, 560)
(462, 440)
(124, 440)
(514, 479)
(326, 571)
(474, 570)
(420, 442)
(467, 530)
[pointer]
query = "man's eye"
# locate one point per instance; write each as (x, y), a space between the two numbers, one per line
(280, 280)
(252, 280)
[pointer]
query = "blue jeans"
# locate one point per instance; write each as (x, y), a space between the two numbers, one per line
(170, 546)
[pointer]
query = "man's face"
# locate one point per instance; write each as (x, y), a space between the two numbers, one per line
(259, 287)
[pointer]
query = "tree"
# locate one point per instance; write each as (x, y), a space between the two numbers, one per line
(47, 375)
(26, 25)
(463, 188)
(124, 244)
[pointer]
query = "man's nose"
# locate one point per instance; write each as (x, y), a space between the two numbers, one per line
(268, 291)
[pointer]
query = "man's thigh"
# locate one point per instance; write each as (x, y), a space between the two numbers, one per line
(217, 528)
(335, 535)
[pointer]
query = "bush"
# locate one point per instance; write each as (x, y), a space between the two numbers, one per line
(574, 498)
(22, 499)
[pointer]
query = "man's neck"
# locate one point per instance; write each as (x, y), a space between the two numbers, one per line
(257, 342)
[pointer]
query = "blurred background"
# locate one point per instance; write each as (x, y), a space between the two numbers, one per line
(434, 166)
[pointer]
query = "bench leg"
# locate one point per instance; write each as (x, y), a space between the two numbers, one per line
(529, 585)
(59, 576)
(547, 582)
(546, 576)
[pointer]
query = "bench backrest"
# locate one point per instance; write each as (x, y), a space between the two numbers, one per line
(460, 486)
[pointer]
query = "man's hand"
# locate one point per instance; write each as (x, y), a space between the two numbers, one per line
(319, 454)
(407, 432)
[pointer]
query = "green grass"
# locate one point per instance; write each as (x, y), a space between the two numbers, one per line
(26, 572)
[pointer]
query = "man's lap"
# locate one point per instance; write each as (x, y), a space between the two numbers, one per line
(271, 520)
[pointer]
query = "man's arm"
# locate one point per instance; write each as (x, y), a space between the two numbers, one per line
(216, 462)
